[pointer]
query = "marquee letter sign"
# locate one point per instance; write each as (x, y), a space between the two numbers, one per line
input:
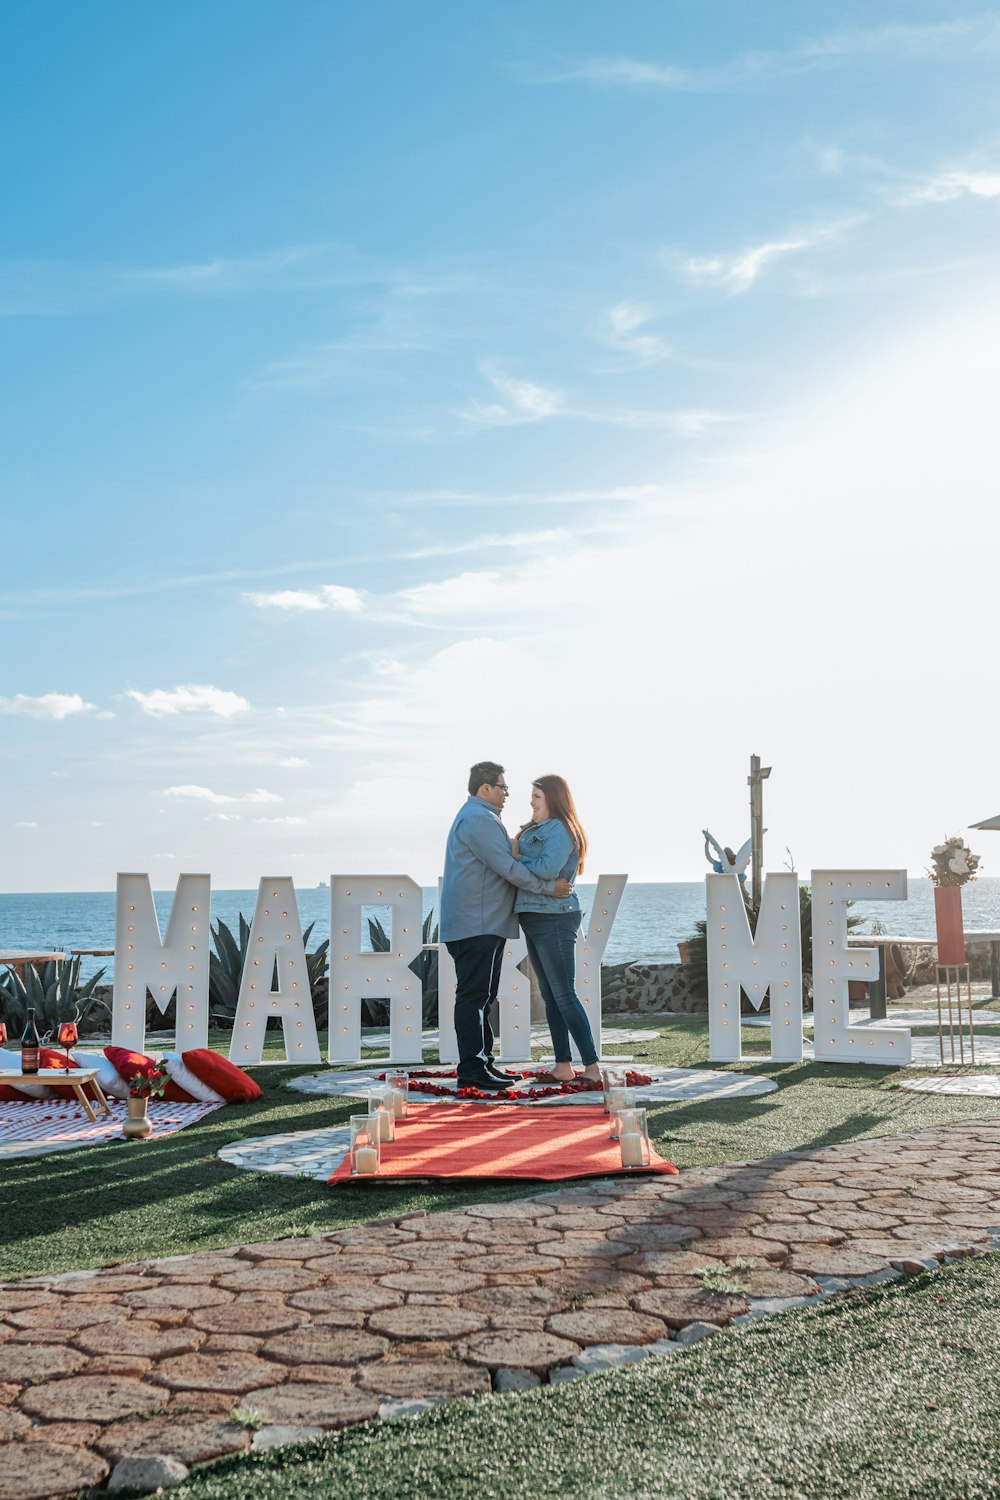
(835, 964)
(356, 975)
(142, 961)
(275, 950)
(774, 962)
(771, 961)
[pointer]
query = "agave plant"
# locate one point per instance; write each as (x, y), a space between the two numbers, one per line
(225, 968)
(53, 990)
(425, 965)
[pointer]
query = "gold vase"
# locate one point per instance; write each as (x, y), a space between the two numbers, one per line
(137, 1127)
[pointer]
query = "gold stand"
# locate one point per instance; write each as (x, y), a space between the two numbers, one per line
(953, 977)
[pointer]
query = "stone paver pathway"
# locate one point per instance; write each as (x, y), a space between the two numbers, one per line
(315, 1333)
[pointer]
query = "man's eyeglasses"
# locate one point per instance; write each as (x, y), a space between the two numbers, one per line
(501, 786)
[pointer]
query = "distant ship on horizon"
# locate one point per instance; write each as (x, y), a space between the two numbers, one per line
(322, 885)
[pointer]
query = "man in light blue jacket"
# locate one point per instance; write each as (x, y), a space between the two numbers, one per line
(481, 880)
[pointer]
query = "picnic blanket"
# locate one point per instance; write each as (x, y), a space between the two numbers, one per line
(34, 1127)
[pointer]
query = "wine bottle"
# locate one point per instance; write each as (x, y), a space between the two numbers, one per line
(29, 1045)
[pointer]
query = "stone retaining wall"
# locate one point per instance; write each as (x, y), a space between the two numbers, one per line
(645, 988)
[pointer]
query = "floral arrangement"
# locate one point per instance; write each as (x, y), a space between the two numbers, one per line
(953, 862)
(419, 1083)
(149, 1085)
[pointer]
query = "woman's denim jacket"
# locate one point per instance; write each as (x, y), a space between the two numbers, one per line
(547, 850)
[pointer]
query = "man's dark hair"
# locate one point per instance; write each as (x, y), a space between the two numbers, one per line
(484, 773)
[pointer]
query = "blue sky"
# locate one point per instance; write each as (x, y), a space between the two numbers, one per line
(608, 390)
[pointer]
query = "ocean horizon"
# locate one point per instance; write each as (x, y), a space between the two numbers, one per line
(653, 918)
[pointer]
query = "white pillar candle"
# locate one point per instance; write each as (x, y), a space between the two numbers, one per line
(399, 1104)
(365, 1160)
(631, 1148)
(383, 1124)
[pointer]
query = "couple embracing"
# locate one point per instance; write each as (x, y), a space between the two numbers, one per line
(492, 883)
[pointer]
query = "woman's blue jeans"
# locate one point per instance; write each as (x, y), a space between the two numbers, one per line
(551, 940)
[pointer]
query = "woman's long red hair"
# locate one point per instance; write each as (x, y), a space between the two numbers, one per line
(561, 806)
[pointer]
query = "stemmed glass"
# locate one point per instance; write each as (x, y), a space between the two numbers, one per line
(68, 1037)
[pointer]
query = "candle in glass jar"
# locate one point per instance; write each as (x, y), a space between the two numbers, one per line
(383, 1124)
(631, 1148)
(398, 1104)
(365, 1160)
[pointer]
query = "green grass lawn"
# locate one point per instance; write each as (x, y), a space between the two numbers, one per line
(127, 1201)
(885, 1394)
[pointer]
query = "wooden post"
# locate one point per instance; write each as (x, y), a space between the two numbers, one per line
(757, 776)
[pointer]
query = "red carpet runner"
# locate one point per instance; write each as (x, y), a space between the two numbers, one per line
(493, 1140)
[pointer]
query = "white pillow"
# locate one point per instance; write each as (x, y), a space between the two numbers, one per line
(10, 1062)
(185, 1079)
(108, 1076)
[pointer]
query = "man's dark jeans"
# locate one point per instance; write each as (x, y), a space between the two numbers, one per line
(477, 969)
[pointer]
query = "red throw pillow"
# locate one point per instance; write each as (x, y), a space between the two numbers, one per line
(9, 1095)
(130, 1064)
(48, 1057)
(235, 1086)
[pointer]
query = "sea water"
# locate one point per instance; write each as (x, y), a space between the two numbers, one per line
(652, 920)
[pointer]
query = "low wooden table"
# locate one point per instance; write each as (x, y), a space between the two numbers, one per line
(71, 1078)
(18, 961)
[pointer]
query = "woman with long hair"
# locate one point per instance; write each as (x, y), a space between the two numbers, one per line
(554, 845)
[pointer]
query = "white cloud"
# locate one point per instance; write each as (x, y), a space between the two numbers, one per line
(738, 272)
(25, 825)
(521, 401)
(46, 705)
(329, 596)
(526, 402)
(467, 593)
(945, 187)
(626, 322)
(293, 762)
(205, 794)
(622, 492)
(627, 72)
(163, 703)
(223, 818)
(970, 37)
(516, 539)
(290, 267)
(683, 422)
(291, 821)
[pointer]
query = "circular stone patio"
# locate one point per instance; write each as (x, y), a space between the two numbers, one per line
(667, 1084)
(306, 1153)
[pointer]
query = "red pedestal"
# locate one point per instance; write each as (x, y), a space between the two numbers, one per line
(950, 927)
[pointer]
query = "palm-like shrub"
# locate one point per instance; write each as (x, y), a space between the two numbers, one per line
(424, 966)
(226, 964)
(53, 990)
